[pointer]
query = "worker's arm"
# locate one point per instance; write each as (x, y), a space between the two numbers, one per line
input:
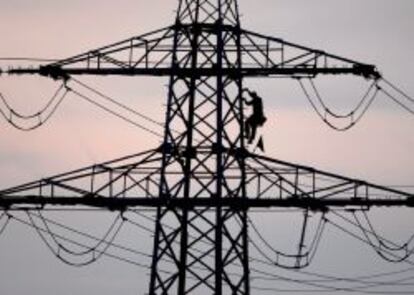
(245, 100)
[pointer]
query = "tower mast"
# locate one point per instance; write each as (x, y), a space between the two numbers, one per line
(204, 140)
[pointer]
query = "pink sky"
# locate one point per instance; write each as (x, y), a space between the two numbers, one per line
(380, 149)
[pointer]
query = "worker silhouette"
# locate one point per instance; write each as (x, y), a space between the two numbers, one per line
(257, 118)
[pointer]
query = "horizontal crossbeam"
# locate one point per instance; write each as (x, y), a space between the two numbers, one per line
(133, 182)
(16, 203)
(198, 73)
(151, 55)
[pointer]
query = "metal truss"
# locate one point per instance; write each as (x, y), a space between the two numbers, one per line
(202, 180)
(133, 181)
(151, 54)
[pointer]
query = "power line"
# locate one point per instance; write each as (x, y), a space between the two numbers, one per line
(308, 256)
(383, 242)
(114, 101)
(331, 278)
(50, 109)
(348, 232)
(31, 59)
(404, 106)
(353, 116)
(76, 243)
(140, 126)
(370, 231)
(403, 93)
(100, 252)
(379, 249)
(324, 288)
(352, 112)
(206, 71)
(60, 247)
(10, 114)
(255, 269)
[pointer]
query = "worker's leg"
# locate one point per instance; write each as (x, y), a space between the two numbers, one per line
(247, 128)
(253, 133)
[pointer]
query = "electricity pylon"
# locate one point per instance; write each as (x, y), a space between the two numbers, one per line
(204, 178)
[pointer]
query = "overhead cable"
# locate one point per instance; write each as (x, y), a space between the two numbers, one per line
(91, 254)
(409, 109)
(362, 281)
(363, 240)
(403, 93)
(79, 244)
(114, 101)
(101, 106)
(307, 256)
(35, 120)
(328, 116)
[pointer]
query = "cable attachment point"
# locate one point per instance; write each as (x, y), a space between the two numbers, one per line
(54, 72)
(367, 71)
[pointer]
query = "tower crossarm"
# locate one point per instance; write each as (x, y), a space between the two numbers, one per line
(100, 185)
(147, 54)
(133, 181)
(311, 188)
(30, 202)
(269, 56)
(151, 55)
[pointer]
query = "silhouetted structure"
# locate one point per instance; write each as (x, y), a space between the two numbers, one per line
(202, 179)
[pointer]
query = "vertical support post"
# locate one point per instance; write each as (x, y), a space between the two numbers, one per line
(199, 248)
(219, 150)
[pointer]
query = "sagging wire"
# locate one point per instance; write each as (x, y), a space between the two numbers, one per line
(355, 115)
(308, 256)
(384, 242)
(109, 243)
(371, 231)
(42, 116)
(313, 283)
(266, 276)
(103, 252)
(37, 119)
(324, 288)
(97, 245)
(91, 237)
(396, 258)
(327, 115)
(381, 242)
(81, 245)
(95, 252)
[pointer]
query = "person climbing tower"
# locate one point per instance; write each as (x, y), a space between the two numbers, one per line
(257, 118)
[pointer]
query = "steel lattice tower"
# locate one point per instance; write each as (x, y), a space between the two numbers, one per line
(209, 108)
(203, 179)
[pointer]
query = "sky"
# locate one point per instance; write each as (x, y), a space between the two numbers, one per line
(379, 149)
